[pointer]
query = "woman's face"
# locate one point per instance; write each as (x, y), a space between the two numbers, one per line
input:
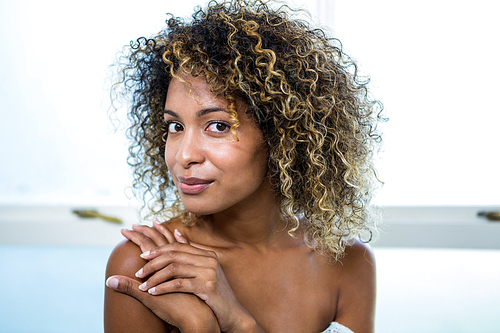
(211, 170)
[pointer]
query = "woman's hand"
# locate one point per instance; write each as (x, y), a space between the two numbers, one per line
(192, 268)
(185, 311)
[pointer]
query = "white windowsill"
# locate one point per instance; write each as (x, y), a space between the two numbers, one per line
(57, 225)
(430, 227)
(439, 227)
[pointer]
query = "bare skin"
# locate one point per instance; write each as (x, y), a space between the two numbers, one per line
(238, 270)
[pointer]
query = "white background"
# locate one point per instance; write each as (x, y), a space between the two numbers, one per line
(434, 65)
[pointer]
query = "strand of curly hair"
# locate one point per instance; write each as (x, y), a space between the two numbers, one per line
(304, 93)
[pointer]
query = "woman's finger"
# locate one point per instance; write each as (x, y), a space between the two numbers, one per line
(165, 260)
(176, 247)
(164, 231)
(168, 280)
(158, 238)
(145, 243)
(187, 286)
(125, 285)
(179, 237)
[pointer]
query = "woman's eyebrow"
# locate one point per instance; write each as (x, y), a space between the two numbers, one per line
(208, 110)
(172, 113)
(199, 113)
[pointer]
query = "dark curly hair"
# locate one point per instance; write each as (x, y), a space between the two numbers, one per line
(304, 93)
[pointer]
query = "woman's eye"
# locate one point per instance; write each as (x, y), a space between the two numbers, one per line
(218, 127)
(173, 127)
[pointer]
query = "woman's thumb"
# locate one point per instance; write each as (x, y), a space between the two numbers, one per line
(179, 237)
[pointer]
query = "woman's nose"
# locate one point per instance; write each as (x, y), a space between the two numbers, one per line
(189, 150)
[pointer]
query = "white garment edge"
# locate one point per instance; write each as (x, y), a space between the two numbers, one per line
(337, 328)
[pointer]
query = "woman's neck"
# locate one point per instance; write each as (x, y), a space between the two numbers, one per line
(259, 227)
(254, 222)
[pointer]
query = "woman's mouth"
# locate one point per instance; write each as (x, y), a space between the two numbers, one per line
(193, 185)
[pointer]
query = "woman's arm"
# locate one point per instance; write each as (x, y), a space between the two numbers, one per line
(146, 313)
(356, 303)
(178, 267)
(123, 313)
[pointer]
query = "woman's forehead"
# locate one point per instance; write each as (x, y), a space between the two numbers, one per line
(193, 87)
(198, 90)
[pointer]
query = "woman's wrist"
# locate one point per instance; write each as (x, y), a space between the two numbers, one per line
(247, 324)
(200, 326)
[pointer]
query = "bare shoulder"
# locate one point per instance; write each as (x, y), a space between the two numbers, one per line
(123, 313)
(357, 288)
(125, 259)
(358, 258)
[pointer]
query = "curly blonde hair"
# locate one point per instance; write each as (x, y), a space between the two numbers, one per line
(304, 93)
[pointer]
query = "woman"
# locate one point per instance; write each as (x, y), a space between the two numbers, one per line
(260, 128)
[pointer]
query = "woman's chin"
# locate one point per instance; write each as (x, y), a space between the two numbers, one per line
(200, 211)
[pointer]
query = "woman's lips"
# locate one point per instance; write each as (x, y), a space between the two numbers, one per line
(193, 185)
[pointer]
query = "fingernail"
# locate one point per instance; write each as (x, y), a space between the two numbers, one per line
(139, 273)
(177, 232)
(145, 254)
(143, 286)
(152, 290)
(112, 282)
(156, 222)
